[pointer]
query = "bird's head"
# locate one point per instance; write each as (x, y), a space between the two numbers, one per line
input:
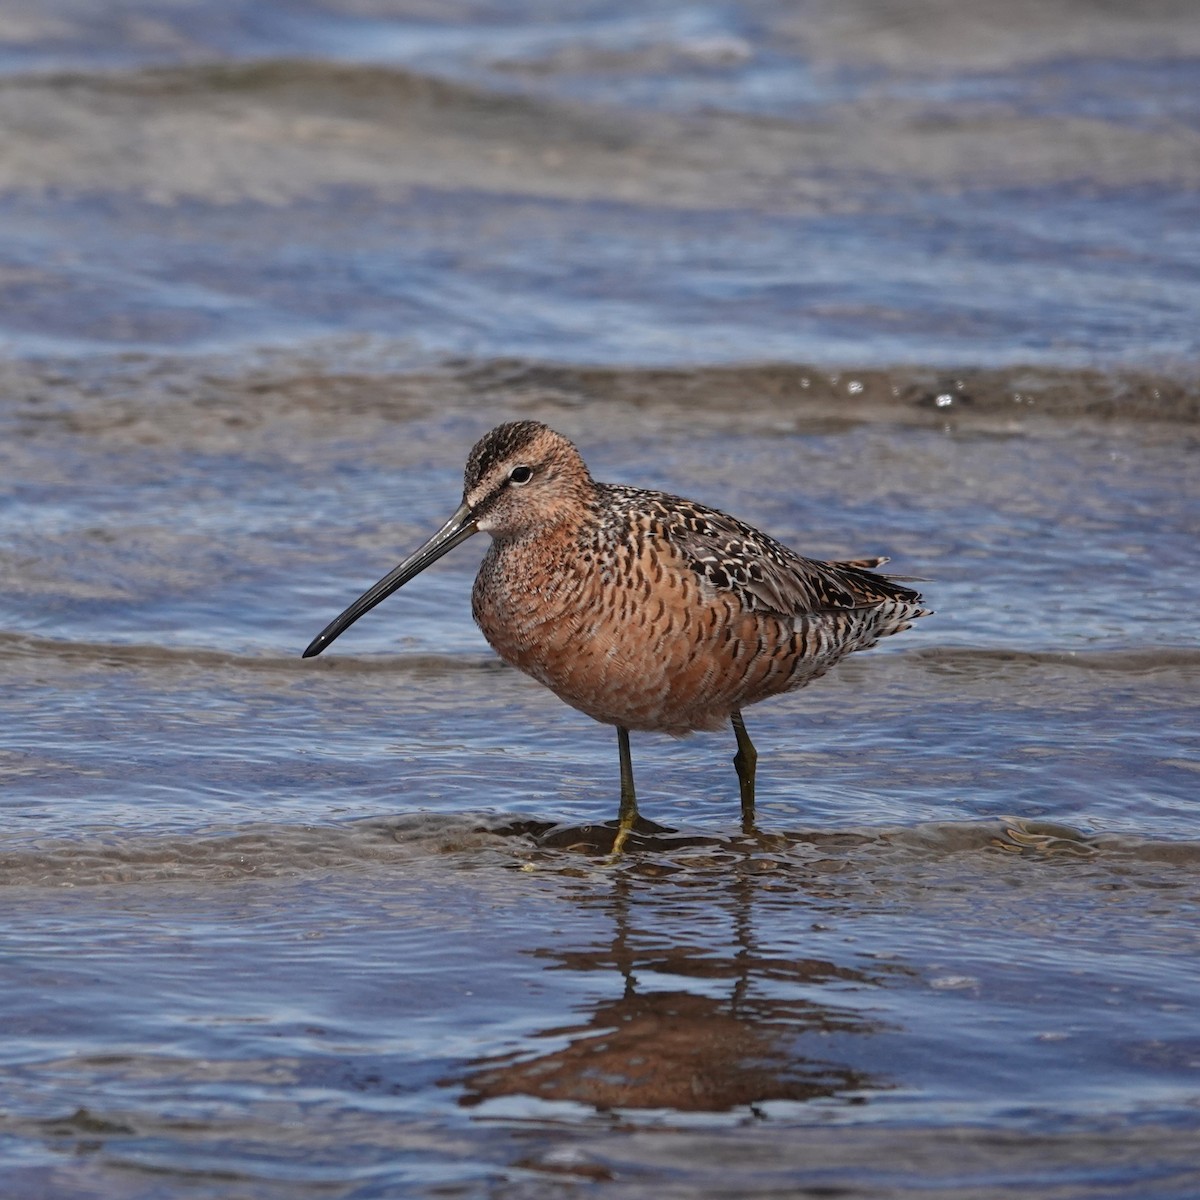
(523, 477)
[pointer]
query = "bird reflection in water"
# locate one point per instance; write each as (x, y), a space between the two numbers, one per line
(743, 1036)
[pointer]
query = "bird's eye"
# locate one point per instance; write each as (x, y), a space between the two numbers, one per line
(519, 475)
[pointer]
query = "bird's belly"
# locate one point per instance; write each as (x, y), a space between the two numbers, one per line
(642, 664)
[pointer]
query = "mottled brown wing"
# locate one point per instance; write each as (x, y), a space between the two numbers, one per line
(767, 576)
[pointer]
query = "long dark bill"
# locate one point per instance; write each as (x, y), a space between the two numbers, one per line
(460, 527)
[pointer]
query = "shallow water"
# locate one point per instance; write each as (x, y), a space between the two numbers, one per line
(885, 279)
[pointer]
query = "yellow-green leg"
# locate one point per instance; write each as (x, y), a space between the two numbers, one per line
(744, 762)
(628, 815)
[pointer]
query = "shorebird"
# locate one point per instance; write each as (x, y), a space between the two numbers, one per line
(641, 609)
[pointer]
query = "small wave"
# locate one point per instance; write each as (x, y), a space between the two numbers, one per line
(18, 646)
(290, 78)
(210, 394)
(305, 125)
(1149, 661)
(967, 661)
(272, 851)
(948, 395)
(256, 851)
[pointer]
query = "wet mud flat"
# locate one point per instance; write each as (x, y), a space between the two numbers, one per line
(913, 280)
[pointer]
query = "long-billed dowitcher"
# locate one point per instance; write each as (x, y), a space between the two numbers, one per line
(641, 609)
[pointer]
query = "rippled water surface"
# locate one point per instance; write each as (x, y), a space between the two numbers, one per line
(914, 279)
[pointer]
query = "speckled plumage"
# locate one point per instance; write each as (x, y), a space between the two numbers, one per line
(641, 609)
(652, 612)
